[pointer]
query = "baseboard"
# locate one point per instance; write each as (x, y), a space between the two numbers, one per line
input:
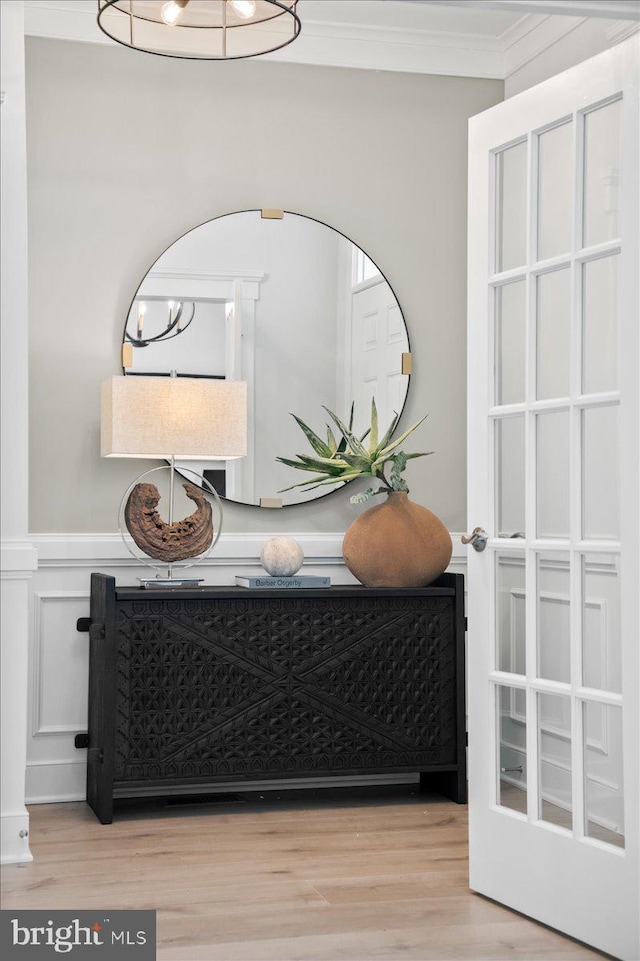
(50, 781)
(14, 830)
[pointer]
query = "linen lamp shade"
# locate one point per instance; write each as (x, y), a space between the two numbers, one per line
(183, 417)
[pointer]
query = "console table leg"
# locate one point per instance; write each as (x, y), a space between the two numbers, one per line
(452, 784)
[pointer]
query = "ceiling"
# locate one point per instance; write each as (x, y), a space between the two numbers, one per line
(469, 38)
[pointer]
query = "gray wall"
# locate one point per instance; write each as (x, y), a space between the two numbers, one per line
(128, 151)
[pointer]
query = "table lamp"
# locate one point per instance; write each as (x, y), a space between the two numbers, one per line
(174, 419)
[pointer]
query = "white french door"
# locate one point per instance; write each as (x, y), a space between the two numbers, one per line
(377, 337)
(554, 412)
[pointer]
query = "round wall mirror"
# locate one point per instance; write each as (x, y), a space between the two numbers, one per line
(292, 307)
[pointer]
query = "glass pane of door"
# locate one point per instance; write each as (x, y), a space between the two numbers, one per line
(601, 627)
(553, 473)
(555, 191)
(601, 173)
(554, 609)
(511, 204)
(510, 464)
(510, 612)
(510, 342)
(604, 799)
(555, 805)
(599, 338)
(512, 747)
(553, 326)
(600, 473)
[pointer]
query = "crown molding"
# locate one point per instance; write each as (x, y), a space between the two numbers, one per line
(620, 30)
(206, 273)
(402, 51)
(371, 47)
(607, 9)
(547, 31)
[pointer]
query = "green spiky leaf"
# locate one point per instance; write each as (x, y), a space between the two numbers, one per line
(316, 442)
(311, 480)
(357, 462)
(313, 464)
(343, 479)
(389, 431)
(396, 443)
(356, 445)
(373, 439)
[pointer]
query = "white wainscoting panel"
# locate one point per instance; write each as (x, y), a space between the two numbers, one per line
(59, 655)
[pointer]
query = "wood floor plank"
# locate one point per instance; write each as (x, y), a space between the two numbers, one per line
(431, 884)
(288, 880)
(481, 943)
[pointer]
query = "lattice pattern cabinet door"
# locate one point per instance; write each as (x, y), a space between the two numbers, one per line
(189, 689)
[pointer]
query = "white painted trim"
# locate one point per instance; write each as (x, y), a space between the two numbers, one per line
(200, 284)
(545, 33)
(38, 679)
(18, 559)
(577, 8)
(53, 781)
(621, 30)
(15, 838)
(367, 284)
(89, 550)
(519, 30)
(206, 273)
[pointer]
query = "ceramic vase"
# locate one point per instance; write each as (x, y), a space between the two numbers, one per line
(397, 544)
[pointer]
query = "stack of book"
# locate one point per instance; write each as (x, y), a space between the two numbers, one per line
(292, 583)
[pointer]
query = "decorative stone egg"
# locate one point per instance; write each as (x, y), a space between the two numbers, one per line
(281, 556)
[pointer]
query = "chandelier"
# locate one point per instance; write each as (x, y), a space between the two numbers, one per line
(175, 324)
(201, 29)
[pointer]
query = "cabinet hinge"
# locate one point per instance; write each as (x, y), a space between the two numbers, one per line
(83, 624)
(95, 755)
(81, 740)
(97, 632)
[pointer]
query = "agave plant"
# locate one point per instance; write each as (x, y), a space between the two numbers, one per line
(339, 461)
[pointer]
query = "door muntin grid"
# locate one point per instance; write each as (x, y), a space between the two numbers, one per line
(565, 506)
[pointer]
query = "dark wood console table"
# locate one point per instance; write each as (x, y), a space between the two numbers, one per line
(193, 688)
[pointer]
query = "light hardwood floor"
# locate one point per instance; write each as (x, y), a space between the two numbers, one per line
(302, 878)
